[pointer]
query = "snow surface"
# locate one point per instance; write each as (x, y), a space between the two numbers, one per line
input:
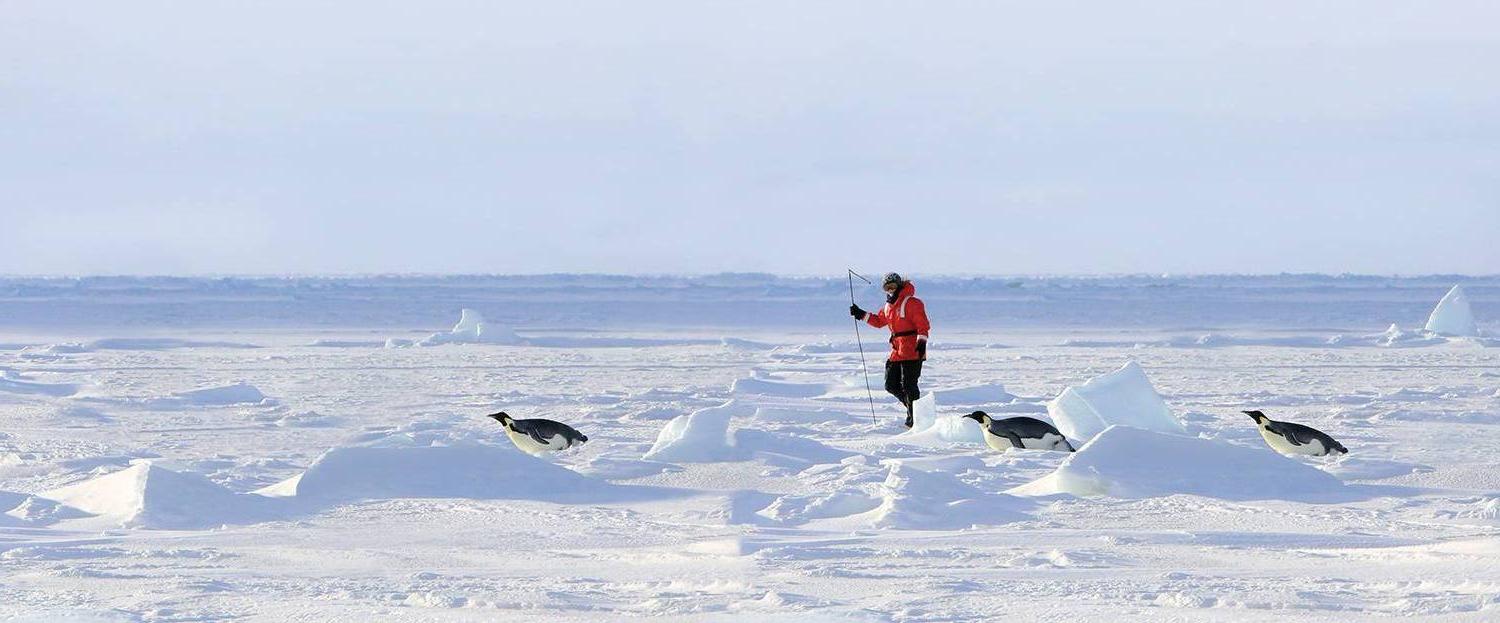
(1122, 397)
(1453, 316)
(174, 450)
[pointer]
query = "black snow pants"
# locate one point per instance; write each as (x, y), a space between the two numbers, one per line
(901, 381)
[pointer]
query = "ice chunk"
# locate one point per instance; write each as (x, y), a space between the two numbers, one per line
(1453, 316)
(145, 495)
(1124, 396)
(698, 437)
(1130, 462)
(472, 329)
(926, 423)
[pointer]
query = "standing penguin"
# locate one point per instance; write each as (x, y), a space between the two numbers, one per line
(1289, 438)
(536, 436)
(1022, 432)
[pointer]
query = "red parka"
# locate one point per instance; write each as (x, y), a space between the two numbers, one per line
(907, 318)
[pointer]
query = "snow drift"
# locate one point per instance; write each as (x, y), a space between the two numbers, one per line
(220, 395)
(17, 384)
(432, 465)
(472, 329)
(698, 437)
(975, 395)
(1453, 316)
(780, 389)
(1124, 396)
(913, 499)
(1129, 462)
(145, 495)
(895, 495)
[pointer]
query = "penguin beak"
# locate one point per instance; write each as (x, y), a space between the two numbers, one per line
(1254, 415)
(498, 417)
(977, 416)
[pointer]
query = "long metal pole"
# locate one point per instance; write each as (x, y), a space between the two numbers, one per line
(862, 366)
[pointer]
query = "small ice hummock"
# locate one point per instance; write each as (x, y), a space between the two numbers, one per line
(1124, 396)
(472, 329)
(1128, 462)
(698, 437)
(149, 496)
(1453, 316)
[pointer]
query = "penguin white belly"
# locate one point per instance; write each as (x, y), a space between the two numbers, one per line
(1280, 444)
(998, 443)
(1046, 442)
(530, 446)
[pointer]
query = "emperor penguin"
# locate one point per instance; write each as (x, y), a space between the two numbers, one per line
(1289, 438)
(537, 436)
(1020, 432)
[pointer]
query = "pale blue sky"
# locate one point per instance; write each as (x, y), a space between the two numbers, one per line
(992, 138)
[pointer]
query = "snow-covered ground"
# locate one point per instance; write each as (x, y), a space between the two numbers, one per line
(195, 450)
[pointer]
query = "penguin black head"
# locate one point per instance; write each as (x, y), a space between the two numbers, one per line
(503, 418)
(1255, 415)
(978, 416)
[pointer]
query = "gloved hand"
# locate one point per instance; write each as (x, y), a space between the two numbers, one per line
(922, 349)
(859, 314)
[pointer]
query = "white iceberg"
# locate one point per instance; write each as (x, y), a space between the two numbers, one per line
(1453, 316)
(471, 329)
(1124, 396)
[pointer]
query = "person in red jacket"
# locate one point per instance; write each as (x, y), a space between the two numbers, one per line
(906, 316)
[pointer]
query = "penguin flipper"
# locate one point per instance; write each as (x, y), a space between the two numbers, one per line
(537, 436)
(1015, 440)
(1286, 433)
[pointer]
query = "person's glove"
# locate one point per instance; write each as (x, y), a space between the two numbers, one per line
(859, 314)
(922, 349)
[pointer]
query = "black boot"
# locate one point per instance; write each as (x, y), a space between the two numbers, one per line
(908, 416)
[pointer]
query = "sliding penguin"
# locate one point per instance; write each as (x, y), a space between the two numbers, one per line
(537, 436)
(1289, 438)
(1020, 432)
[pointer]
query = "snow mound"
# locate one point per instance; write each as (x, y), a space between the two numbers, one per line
(735, 343)
(35, 511)
(145, 495)
(781, 389)
(1124, 396)
(396, 468)
(1130, 462)
(913, 499)
(17, 384)
(221, 395)
(927, 424)
(1453, 316)
(472, 329)
(975, 395)
(786, 450)
(897, 493)
(698, 437)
